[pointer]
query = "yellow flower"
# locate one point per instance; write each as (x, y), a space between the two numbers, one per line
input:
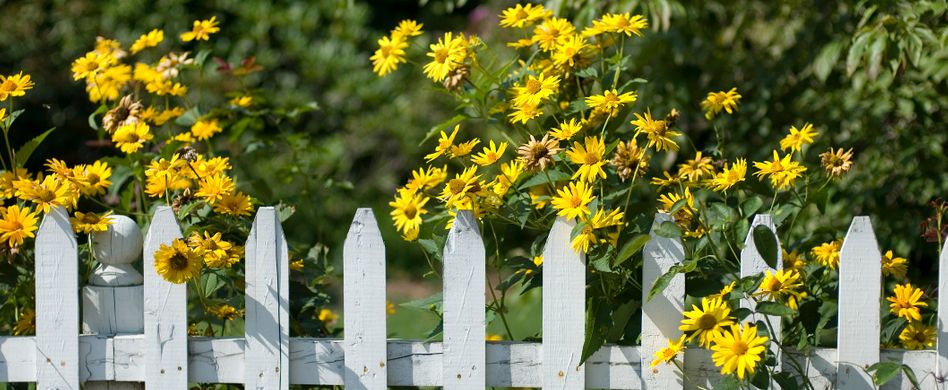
(573, 201)
(89, 223)
(905, 303)
(894, 266)
(667, 354)
(8, 182)
(407, 209)
(490, 154)
(214, 188)
(26, 324)
(717, 101)
(16, 224)
(589, 158)
(457, 191)
(917, 336)
(493, 337)
(14, 85)
(827, 253)
(297, 265)
(407, 28)
(782, 286)
(226, 312)
(167, 115)
(793, 260)
(798, 137)
(201, 30)
(109, 47)
(729, 176)
(696, 168)
(204, 167)
(572, 52)
(237, 204)
(509, 173)
(108, 84)
(390, 53)
(622, 23)
(90, 65)
(539, 196)
(707, 323)
(46, 192)
(535, 90)
(523, 113)
(610, 101)
(93, 179)
(214, 250)
(444, 144)
(389, 307)
(426, 179)
(165, 175)
(204, 129)
(520, 16)
(739, 349)
(3, 114)
(327, 316)
(445, 55)
(723, 294)
(837, 162)
(242, 101)
(668, 201)
(567, 130)
(177, 263)
(551, 32)
(152, 39)
(657, 131)
(464, 148)
(599, 220)
(131, 137)
(782, 171)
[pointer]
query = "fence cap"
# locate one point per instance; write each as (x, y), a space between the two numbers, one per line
(116, 249)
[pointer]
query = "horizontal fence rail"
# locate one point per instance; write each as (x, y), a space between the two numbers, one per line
(158, 352)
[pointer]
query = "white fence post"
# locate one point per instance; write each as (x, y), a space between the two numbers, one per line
(941, 361)
(753, 263)
(465, 351)
(57, 303)
(267, 354)
(564, 309)
(166, 319)
(860, 281)
(662, 314)
(364, 304)
(113, 301)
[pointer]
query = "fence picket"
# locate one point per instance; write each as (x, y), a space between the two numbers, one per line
(860, 279)
(364, 303)
(941, 362)
(465, 351)
(266, 328)
(166, 320)
(753, 263)
(57, 303)
(662, 314)
(564, 309)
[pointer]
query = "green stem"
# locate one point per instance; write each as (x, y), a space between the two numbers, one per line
(498, 304)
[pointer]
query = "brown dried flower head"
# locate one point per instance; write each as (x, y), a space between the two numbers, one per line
(837, 162)
(538, 154)
(456, 78)
(127, 112)
(628, 158)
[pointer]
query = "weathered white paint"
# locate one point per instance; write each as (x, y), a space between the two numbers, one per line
(364, 303)
(57, 303)
(941, 365)
(166, 321)
(753, 263)
(860, 281)
(662, 314)
(266, 364)
(564, 309)
(464, 304)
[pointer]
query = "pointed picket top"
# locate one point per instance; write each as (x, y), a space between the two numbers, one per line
(465, 352)
(564, 309)
(941, 362)
(266, 329)
(57, 303)
(364, 304)
(166, 321)
(860, 281)
(661, 314)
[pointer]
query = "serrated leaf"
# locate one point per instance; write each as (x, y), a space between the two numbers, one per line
(27, 149)
(662, 282)
(541, 178)
(774, 309)
(766, 244)
(668, 229)
(631, 247)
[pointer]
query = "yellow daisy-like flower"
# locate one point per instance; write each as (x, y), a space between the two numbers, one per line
(205, 128)
(237, 204)
(729, 176)
(151, 39)
(444, 144)
(717, 101)
(782, 171)
(8, 181)
(26, 324)
(535, 89)
(166, 175)
(589, 158)
(599, 220)
(572, 52)
(793, 260)
(894, 266)
(177, 263)
(509, 173)
(917, 336)
(490, 154)
(523, 113)
(622, 23)
(407, 209)
(610, 101)
(226, 312)
(93, 179)
(390, 53)
(464, 148)
(214, 250)
(695, 169)
(667, 354)
(739, 350)
(242, 101)
(16, 224)
(457, 191)
(14, 85)
(827, 253)
(297, 265)
(657, 131)
(723, 294)
(46, 192)
(551, 32)
(708, 322)
(201, 30)
(798, 137)
(906, 302)
(89, 223)
(131, 137)
(573, 201)
(445, 55)
(783, 286)
(520, 16)
(214, 188)
(667, 202)
(3, 114)
(426, 178)
(108, 85)
(407, 28)
(567, 130)
(327, 316)
(90, 65)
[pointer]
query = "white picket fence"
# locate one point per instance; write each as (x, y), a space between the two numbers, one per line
(141, 323)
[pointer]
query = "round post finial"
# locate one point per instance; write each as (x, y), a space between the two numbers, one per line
(116, 249)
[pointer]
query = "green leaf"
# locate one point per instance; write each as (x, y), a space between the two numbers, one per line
(786, 381)
(93, 122)
(728, 383)
(875, 55)
(443, 126)
(432, 302)
(855, 53)
(190, 117)
(668, 229)
(663, 281)
(751, 205)
(211, 282)
(910, 374)
(285, 211)
(431, 247)
(766, 244)
(826, 60)
(544, 177)
(201, 57)
(883, 372)
(11, 117)
(761, 379)
(27, 149)
(632, 247)
(774, 309)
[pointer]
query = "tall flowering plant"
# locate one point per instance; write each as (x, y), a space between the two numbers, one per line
(553, 126)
